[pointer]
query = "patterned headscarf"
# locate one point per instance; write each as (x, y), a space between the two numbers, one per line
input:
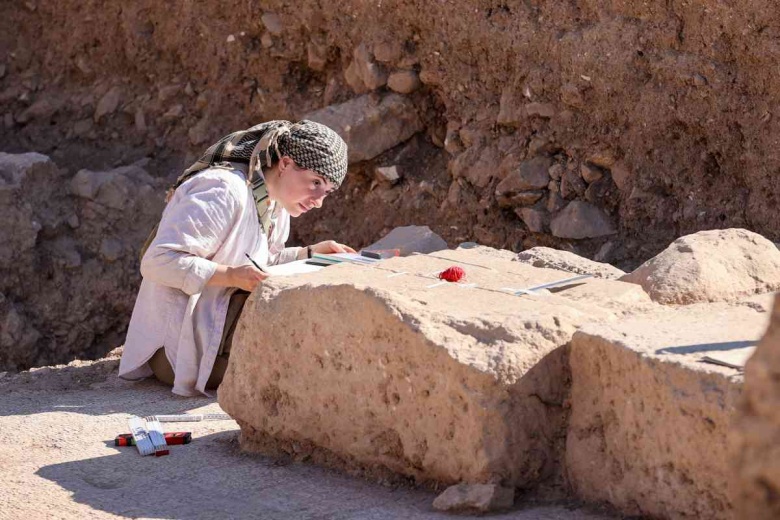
(311, 145)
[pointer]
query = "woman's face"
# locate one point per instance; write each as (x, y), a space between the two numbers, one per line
(299, 190)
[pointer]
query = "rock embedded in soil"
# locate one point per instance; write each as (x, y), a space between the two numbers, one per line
(474, 499)
(650, 427)
(447, 384)
(387, 174)
(371, 73)
(108, 103)
(716, 265)
(370, 126)
(566, 261)
(581, 220)
(755, 448)
(536, 220)
(404, 81)
(530, 175)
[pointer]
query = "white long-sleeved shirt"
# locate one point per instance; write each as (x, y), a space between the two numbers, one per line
(211, 219)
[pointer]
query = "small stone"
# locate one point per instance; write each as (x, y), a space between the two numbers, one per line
(572, 96)
(603, 159)
(572, 185)
(173, 113)
(317, 56)
(273, 23)
(531, 175)
(599, 191)
(370, 72)
(452, 142)
(168, 92)
(620, 175)
(474, 498)
(188, 90)
(388, 52)
(230, 38)
(199, 133)
(387, 174)
(41, 110)
(431, 77)
(82, 128)
(353, 78)
(554, 187)
(73, 221)
(699, 80)
(266, 40)
(86, 184)
(71, 259)
(140, 121)
(404, 81)
(110, 249)
(590, 173)
(535, 219)
(523, 198)
(581, 220)
(202, 101)
(604, 253)
(555, 171)
(108, 103)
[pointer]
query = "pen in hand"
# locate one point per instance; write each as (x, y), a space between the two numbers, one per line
(255, 263)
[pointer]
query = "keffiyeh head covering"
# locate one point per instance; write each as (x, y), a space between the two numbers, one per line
(313, 146)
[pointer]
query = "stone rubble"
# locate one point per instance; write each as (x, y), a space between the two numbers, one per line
(370, 126)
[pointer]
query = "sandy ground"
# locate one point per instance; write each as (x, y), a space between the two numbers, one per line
(57, 460)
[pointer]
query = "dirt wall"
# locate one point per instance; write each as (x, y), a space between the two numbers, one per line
(652, 119)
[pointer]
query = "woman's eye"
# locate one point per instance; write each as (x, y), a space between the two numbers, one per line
(317, 183)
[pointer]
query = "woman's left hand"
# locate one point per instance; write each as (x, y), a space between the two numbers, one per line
(330, 246)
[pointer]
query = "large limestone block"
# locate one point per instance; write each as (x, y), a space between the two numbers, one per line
(566, 261)
(757, 436)
(381, 369)
(717, 265)
(650, 424)
(371, 124)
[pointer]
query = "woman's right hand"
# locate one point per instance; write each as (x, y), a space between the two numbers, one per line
(244, 277)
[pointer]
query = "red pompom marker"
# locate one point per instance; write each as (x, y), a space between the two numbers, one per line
(452, 274)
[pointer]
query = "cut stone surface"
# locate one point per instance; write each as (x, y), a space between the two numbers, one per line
(650, 424)
(369, 125)
(448, 383)
(581, 220)
(474, 498)
(566, 261)
(410, 239)
(756, 447)
(717, 265)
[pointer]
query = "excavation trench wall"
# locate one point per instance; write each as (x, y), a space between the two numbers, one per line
(607, 128)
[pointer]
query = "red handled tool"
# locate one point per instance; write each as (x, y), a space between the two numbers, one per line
(171, 439)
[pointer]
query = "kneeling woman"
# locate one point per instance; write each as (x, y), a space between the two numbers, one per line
(235, 201)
